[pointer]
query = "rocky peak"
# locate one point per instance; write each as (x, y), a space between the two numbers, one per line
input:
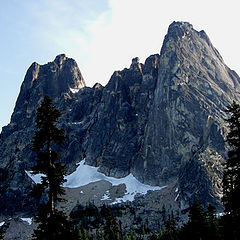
(97, 86)
(135, 61)
(136, 65)
(151, 65)
(62, 76)
(31, 76)
(193, 88)
(60, 59)
(193, 61)
(177, 30)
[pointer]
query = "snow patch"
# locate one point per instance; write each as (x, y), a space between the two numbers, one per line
(28, 220)
(37, 178)
(86, 174)
(76, 123)
(2, 223)
(220, 214)
(106, 196)
(74, 90)
(176, 198)
(176, 189)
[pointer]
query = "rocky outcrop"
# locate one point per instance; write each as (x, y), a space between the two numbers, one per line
(162, 120)
(56, 79)
(186, 118)
(120, 118)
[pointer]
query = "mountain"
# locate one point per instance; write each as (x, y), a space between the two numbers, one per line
(162, 121)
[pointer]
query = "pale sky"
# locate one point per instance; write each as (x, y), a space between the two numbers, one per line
(102, 35)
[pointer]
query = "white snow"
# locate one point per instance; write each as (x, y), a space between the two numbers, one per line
(220, 214)
(83, 175)
(81, 191)
(176, 189)
(28, 220)
(35, 177)
(2, 223)
(74, 90)
(176, 198)
(106, 196)
(86, 174)
(76, 123)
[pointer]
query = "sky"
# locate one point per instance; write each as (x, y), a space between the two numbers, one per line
(102, 35)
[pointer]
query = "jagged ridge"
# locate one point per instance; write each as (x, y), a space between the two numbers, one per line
(160, 120)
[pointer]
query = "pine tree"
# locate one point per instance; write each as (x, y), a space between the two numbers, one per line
(52, 223)
(231, 176)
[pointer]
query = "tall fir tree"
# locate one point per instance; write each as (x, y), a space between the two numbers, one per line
(52, 223)
(231, 176)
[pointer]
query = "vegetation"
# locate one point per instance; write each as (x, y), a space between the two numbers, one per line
(103, 223)
(202, 224)
(1, 233)
(53, 224)
(3, 229)
(231, 177)
(93, 222)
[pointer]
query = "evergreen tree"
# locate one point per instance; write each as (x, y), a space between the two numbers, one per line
(111, 228)
(197, 226)
(231, 176)
(52, 223)
(1, 233)
(153, 236)
(3, 230)
(212, 224)
(170, 232)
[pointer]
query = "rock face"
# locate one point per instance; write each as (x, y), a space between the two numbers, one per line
(162, 120)
(185, 120)
(57, 79)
